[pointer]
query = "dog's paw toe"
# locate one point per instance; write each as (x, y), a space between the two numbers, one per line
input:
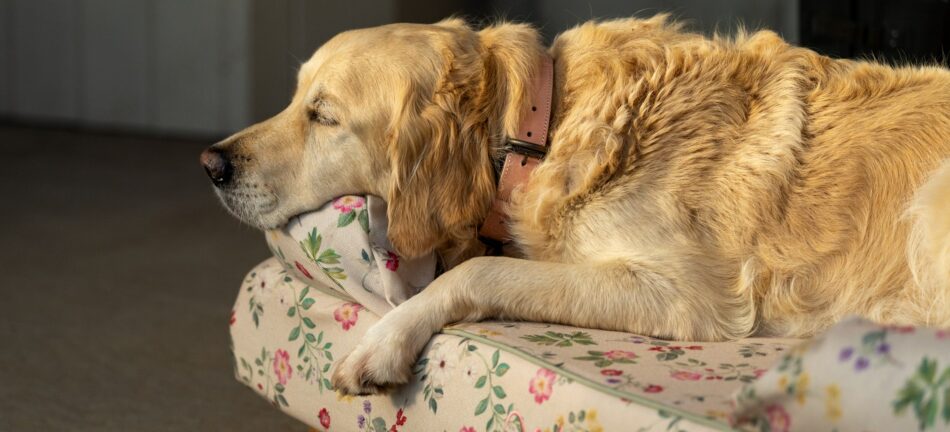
(364, 373)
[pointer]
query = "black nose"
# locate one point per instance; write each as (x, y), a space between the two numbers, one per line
(217, 165)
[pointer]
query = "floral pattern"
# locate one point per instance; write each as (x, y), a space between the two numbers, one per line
(858, 376)
(485, 376)
(296, 313)
(926, 392)
(352, 208)
(392, 261)
(282, 366)
(607, 358)
(347, 314)
(560, 339)
(542, 385)
(366, 422)
(332, 254)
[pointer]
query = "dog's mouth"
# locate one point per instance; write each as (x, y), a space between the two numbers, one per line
(253, 204)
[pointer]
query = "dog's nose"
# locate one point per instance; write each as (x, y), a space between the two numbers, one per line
(217, 165)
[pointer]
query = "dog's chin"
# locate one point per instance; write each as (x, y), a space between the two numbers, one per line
(259, 211)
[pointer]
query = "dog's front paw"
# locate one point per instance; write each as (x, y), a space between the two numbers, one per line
(371, 369)
(384, 358)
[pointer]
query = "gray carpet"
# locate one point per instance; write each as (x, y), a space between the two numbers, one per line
(118, 270)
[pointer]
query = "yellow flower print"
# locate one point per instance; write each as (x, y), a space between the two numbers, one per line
(592, 415)
(833, 392)
(487, 332)
(783, 383)
(801, 388)
(833, 402)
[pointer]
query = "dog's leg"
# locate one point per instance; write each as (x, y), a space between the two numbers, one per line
(615, 295)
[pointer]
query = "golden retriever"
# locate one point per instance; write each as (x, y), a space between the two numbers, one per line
(695, 188)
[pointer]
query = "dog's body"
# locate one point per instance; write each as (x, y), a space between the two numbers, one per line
(694, 189)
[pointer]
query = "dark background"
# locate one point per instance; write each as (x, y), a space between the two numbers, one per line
(118, 268)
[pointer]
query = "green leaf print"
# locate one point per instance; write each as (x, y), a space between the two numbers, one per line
(364, 221)
(561, 339)
(926, 393)
(311, 247)
(346, 219)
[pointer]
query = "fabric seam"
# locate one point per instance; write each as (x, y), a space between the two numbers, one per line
(640, 400)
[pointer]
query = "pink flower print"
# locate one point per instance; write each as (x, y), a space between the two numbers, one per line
(943, 334)
(542, 385)
(392, 261)
(900, 329)
(347, 314)
(282, 366)
(346, 204)
(467, 429)
(620, 355)
(303, 270)
(324, 418)
(686, 375)
(233, 318)
(611, 372)
(778, 418)
(653, 388)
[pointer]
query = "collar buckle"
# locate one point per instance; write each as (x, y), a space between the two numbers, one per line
(525, 148)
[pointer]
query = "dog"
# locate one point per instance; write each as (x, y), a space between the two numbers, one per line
(695, 188)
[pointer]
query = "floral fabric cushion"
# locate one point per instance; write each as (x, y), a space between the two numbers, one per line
(484, 376)
(342, 249)
(335, 272)
(857, 376)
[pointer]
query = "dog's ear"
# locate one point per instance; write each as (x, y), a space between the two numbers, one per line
(442, 181)
(443, 139)
(439, 151)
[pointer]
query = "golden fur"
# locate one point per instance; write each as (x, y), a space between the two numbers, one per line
(696, 188)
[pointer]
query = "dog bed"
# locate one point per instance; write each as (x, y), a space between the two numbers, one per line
(334, 273)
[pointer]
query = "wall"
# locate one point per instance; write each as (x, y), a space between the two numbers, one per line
(177, 66)
(211, 67)
(196, 67)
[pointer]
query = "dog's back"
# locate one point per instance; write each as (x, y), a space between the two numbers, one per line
(816, 182)
(844, 241)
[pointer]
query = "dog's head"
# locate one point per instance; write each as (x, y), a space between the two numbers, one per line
(408, 112)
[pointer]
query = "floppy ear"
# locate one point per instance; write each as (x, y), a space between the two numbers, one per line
(443, 139)
(442, 179)
(441, 182)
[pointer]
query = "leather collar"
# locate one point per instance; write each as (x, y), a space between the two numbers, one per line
(523, 153)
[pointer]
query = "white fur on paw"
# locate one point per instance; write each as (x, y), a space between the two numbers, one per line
(367, 371)
(384, 357)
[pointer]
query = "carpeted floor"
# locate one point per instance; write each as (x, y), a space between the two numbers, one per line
(118, 270)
